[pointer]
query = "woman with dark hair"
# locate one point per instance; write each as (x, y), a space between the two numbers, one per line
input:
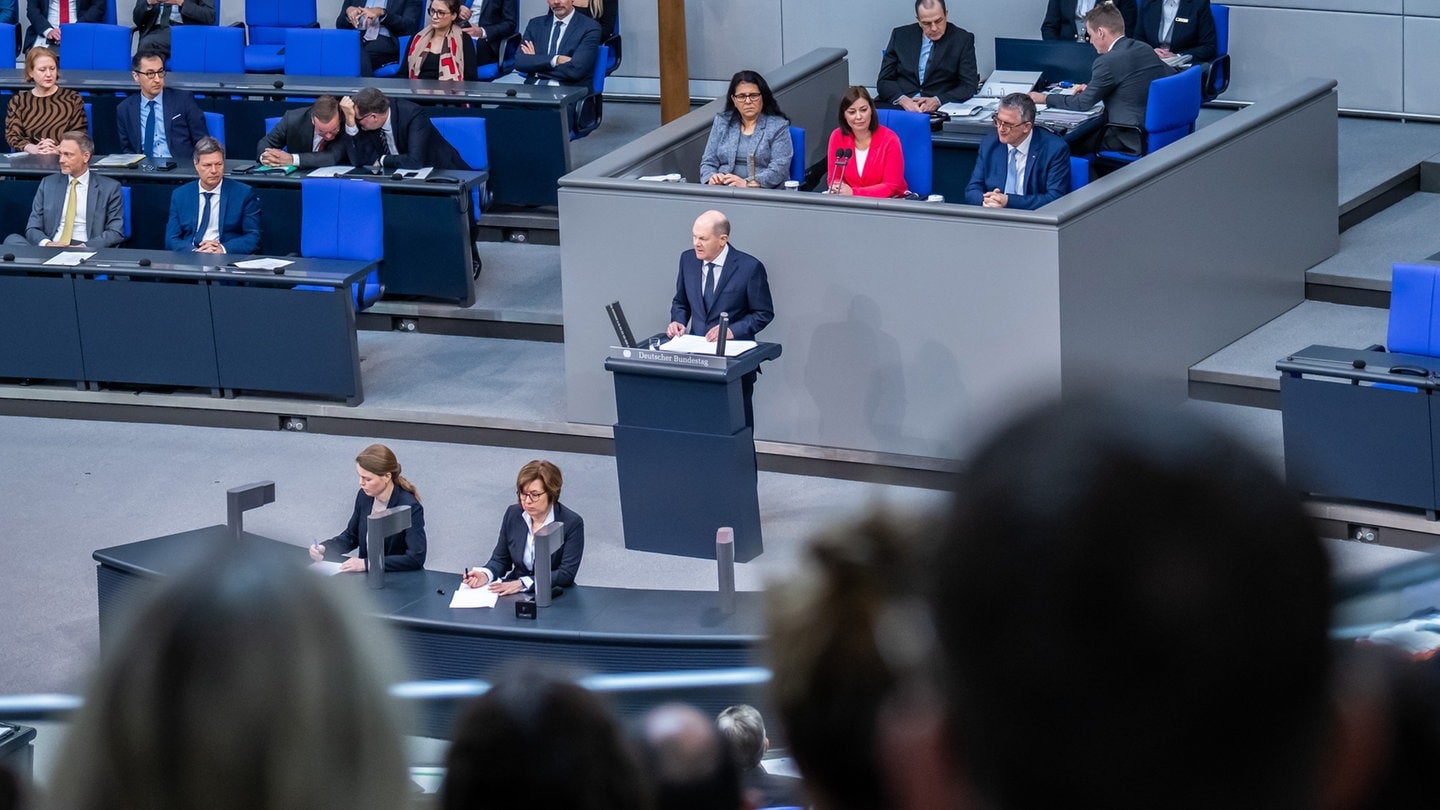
(381, 487)
(512, 566)
(750, 127)
(442, 50)
(874, 165)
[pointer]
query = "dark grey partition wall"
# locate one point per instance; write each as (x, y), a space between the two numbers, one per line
(903, 320)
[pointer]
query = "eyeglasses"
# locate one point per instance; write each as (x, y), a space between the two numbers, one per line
(746, 98)
(439, 12)
(530, 497)
(1006, 127)
(150, 74)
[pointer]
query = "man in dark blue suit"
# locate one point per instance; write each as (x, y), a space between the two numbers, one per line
(1020, 165)
(560, 47)
(716, 278)
(160, 123)
(226, 221)
(1174, 27)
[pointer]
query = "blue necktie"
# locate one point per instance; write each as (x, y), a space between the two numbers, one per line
(926, 45)
(150, 129)
(555, 38)
(204, 218)
(1012, 172)
(709, 284)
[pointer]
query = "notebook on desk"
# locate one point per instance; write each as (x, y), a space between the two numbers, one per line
(1004, 82)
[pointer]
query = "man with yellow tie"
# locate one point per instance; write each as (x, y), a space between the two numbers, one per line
(76, 207)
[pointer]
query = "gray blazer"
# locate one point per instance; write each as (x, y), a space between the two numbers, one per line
(104, 211)
(1120, 78)
(773, 151)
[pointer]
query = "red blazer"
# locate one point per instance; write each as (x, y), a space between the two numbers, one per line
(884, 174)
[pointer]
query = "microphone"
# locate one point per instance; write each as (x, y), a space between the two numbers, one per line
(830, 180)
(144, 262)
(510, 93)
(842, 160)
(279, 84)
(9, 257)
(720, 337)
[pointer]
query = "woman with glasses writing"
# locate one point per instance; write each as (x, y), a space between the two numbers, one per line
(442, 50)
(750, 127)
(869, 162)
(512, 566)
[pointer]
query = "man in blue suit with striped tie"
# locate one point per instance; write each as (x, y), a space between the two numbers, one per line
(211, 216)
(1020, 165)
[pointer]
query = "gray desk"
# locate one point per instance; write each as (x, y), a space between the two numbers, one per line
(527, 127)
(588, 629)
(180, 322)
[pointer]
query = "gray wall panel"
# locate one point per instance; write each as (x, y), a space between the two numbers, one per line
(1422, 65)
(1273, 48)
(1423, 8)
(1365, 6)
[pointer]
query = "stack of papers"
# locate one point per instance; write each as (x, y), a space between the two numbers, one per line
(119, 160)
(697, 344)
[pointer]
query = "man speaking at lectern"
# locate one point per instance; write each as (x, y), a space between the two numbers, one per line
(716, 278)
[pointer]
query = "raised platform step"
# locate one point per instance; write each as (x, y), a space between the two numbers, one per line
(1360, 273)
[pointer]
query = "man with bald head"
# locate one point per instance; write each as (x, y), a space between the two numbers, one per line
(716, 278)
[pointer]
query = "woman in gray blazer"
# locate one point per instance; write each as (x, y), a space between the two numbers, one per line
(751, 125)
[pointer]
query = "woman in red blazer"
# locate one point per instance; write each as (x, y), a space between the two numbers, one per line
(873, 165)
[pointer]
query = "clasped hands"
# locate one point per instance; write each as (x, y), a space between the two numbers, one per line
(46, 146)
(925, 104)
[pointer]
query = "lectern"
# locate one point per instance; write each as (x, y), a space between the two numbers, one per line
(685, 457)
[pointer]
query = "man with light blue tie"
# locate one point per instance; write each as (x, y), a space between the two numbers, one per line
(213, 215)
(927, 63)
(1019, 165)
(158, 122)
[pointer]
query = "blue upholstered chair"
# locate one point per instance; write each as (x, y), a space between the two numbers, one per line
(1170, 114)
(266, 22)
(612, 60)
(494, 70)
(207, 49)
(322, 52)
(797, 156)
(343, 219)
(467, 135)
(592, 108)
(1414, 326)
(1217, 70)
(95, 46)
(395, 68)
(7, 36)
(124, 198)
(914, 131)
(1079, 172)
(215, 125)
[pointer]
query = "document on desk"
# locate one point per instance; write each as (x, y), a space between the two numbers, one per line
(330, 171)
(971, 108)
(468, 597)
(118, 161)
(326, 568)
(69, 258)
(697, 344)
(1002, 83)
(413, 174)
(263, 264)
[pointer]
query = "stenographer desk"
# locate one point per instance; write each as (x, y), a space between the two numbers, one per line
(157, 318)
(527, 126)
(586, 629)
(428, 247)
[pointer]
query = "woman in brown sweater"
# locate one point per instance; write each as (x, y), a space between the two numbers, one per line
(36, 119)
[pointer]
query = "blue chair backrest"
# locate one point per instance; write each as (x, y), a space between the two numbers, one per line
(398, 67)
(797, 154)
(89, 121)
(914, 131)
(7, 35)
(215, 125)
(279, 13)
(95, 46)
(207, 49)
(125, 200)
(1222, 28)
(341, 219)
(1079, 172)
(1173, 107)
(467, 135)
(322, 52)
(597, 79)
(1414, 309)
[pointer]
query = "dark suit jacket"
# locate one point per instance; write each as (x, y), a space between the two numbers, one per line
(184, 123)
(1060, 19)
(581, 43)
(404, 551)
(416, 139)
(192, 12)
(499, 18)
(239, 217)
(295, 133)
(1047, 170)
(772, 789)
(951, 76)
(36, 12)
(401, 17)
(508, 561)
(1194, 31)
(104, 210)
(1120, 78)
(744, 292)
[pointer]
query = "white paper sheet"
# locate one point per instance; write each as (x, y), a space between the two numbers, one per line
(330, 171)
(263, 264)
(69, 258)
(326, 568)
(468, 597)
(697, 344)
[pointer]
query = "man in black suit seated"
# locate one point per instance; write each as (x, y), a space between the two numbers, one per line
(1064, 19)
(158, 121)
(560, 47)
(153, 19)
(490, 22)
(928, 63)
(1174, 27)
(1120, 77)
(393, 134)
(305, 137)
(46, 17)
(744, 730)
